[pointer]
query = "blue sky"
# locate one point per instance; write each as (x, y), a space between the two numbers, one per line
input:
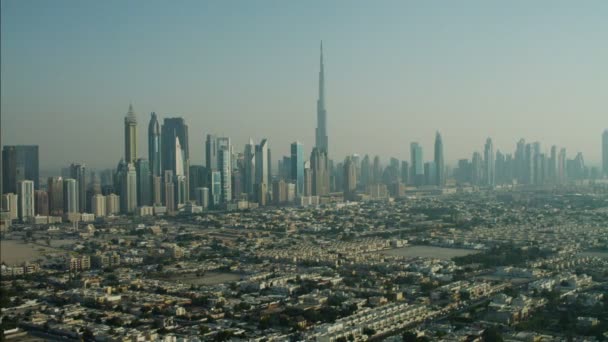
(397, 71)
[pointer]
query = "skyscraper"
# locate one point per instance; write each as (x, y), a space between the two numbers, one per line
(168, 191)
(320, 172)
(70, 196)
(520, 162)
(605, 152)
(553, 164)
(376, 171)
(78, 172)
(216, 188)
(561, 166)
(488, 155)
(128, 194)
(41, 206)
(226, 174)
(144, 182)
(321, 140)
(55, 190)
(211, 158)
(154, 156)
(536, 163)
(297, 166)
(439, 166)
(249, 169)
(130, 136)
(350, 179)
(19, 162)
(174, 128)
(197, 178)
(25, 193)
(417, 164)
(476, 169)
(262, 171)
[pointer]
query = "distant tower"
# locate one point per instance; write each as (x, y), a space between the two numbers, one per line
(320, 172)
(489, 170)
(297, 166)
(350, 179)
(154, 146)
(70, 196)
(262, 171)
(605, 152)
(476, 169)
(249, 169)
(417, 164)
(439, 165)
(130, 136)
(55, 193)
(128, 194)
(144, 182)
(78, 172)
(321, 140)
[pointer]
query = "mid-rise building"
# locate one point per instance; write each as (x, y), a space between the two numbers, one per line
(10, 205)
(98, 205)
(112, 204)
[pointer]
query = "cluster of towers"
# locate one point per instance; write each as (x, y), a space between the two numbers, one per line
(529, 164)
(166, 181)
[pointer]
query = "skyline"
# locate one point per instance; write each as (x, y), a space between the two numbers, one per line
(267, 94)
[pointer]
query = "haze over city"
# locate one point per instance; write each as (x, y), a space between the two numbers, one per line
(396, 72)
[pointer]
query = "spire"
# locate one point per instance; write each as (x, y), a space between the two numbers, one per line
(321, 77)
(321, 131)
(130, 114)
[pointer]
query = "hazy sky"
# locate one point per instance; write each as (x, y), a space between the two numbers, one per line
(396, 72)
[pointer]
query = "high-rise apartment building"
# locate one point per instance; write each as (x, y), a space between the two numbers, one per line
(25, 191)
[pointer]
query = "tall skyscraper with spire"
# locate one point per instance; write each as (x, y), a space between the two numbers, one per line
(154, 146)
(321, 132)
(130, 136)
